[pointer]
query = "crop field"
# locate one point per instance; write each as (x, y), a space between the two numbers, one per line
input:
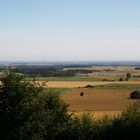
(104, 92)
(91, 74)
(72, 84)
(64, 79)
(110, 72)
(130, 85)
(77, 84)
(97, 101)
(103, 97)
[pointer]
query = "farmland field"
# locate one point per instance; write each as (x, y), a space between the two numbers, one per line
(85, 74)
(107, 94)
(72, 84)
(76, 84)
(104, 98)
(64, 79)
(130, 85)
(97, 101)
(106, 88)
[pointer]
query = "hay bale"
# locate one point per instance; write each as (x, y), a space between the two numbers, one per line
(89, 86)
(135, 95)
(82, 94)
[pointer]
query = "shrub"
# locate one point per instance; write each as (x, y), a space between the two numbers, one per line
(121, 79)
(126, 126)
(128, 76)
(81, 128)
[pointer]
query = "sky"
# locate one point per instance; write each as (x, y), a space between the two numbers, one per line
(69, 30)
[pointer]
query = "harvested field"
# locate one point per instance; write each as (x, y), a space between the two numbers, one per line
(97, 101)
(75, 84)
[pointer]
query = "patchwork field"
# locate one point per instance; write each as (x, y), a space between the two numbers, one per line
(114, 73)
(92, 73)
(102, 98)
(97, 101)
(106, 88)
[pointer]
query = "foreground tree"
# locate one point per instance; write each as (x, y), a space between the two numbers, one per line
(28, 111)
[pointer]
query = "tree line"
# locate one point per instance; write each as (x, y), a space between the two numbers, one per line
(49, 71)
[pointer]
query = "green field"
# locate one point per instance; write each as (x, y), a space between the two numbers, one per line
(64, 79)
(59, 90)
(134, 79)
(95, 77)
(110, 86)
(119, 86)
(76, 79)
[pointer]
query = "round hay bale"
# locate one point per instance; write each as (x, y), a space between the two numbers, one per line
(89, 86)
(82, 94)
(135, 95)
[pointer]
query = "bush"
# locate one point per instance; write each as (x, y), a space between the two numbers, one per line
(128, 76)
(126, 126)
(121, 79)
(81, 128)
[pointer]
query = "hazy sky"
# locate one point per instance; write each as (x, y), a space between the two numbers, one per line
(69, 30)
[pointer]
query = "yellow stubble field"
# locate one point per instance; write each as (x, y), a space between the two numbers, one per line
(75, 84)
(97, 101)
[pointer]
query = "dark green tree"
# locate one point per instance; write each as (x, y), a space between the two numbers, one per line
(128, 76)
(121, 79)
(28, 111)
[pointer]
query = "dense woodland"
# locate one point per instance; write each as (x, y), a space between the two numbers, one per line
(48, 71)
(57, 70)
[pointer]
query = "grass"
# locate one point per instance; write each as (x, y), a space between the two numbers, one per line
(64, 79)
(117, 86)
(97, 76)
(134, 79)
(59, 90)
